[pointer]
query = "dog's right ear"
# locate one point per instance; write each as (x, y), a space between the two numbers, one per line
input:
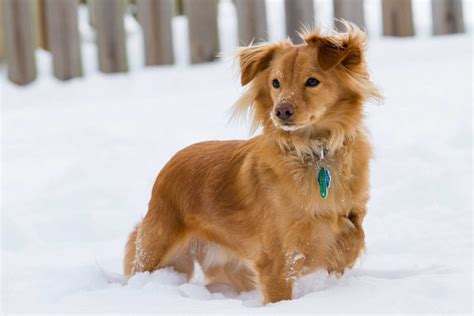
(254, 59)
(344, 49)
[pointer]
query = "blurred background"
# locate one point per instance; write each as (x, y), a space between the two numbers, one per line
(96, 96)
(110, 36)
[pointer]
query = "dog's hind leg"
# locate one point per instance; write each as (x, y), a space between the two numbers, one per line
(129, 258)
(153, 242)
(182, 261)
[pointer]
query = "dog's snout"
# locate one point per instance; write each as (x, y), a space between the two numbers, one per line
(284, 111)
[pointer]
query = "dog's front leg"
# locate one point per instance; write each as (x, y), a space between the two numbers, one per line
(274, 279)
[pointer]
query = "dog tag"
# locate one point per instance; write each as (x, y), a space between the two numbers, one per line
(324, 180)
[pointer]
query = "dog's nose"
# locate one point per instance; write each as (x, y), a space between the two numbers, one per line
(284, 111)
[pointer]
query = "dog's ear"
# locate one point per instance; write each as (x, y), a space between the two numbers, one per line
(344, 49)
(331, 54)
(254, 59)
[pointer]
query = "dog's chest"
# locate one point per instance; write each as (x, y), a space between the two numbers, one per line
(306, 191)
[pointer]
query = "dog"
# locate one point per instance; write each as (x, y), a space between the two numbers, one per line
(260, 213)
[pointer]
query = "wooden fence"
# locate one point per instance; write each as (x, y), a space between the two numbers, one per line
(53, 25)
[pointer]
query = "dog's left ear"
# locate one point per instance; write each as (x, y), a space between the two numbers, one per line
(254, 59)
(344, 49)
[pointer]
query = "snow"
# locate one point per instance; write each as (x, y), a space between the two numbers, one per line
(79, 159)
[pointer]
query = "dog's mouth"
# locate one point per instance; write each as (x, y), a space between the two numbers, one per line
(287, 126)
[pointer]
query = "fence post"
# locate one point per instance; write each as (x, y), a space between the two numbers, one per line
(397, 18)
(298, 14)
(155, 18)
(42, 23)
(252, 21)
(203, 31)
(110, 34)
(63, 38)
(447, 16)
(91, 13)
(2, 39)
(178, 7)
(350, 10)
(20, 41)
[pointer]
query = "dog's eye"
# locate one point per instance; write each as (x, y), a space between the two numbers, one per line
(276, 83)
(311, 82)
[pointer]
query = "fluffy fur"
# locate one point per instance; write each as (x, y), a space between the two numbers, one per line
(250, 211)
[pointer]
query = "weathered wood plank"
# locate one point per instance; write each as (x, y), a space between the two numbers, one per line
(42, 25)
(447, 16)
(299, 14)
(178, 7)
(110, 34)
(91, 13)
(397, 18)
(350, 10)
(64, 38)
(20, 40)
(2, 36)
(155, 18)
(252, 21)
(203, 30)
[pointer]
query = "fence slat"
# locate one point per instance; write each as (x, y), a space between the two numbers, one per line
(110, 33)
(63, 38)
(42, 23)
(155, 18)
(252, 21)
(178, 7)
(447, 16)
(350, 10)
(2, 39)
(20, 41)
(397, 18)
(91, 12)
(203, 31)
(298, 14)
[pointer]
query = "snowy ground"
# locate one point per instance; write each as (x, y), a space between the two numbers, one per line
(79, 159)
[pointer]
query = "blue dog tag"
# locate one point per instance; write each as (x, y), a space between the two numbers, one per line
(324, 180)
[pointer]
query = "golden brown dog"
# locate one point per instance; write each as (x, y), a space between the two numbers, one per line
(253, 213)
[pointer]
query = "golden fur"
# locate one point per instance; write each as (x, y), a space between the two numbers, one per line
(250, 211)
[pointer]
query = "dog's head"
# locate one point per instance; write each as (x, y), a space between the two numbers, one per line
(299, 89)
